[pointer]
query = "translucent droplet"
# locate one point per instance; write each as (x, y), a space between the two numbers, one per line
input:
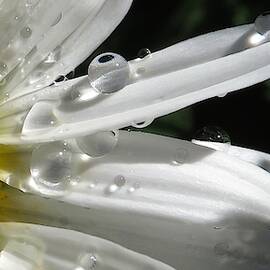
(53, 56)
(212, 134)
(108, 73)
(58, 19)
(262, 23)
(134, 187)
(51, 166)
(98, 144)
(88, 262)
(120, 180)
(180, 156)
(143, 53)
(143, 124)
(111, 189)
(3, 69)
(26, 32)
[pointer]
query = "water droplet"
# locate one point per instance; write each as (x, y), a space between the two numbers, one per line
(221, 249)
(51, 166)
(58, 19)
(262, 23)
(88, 262)
(111, 189)
(212, 134)
(26, 32)
(134, 187)
(98, 144)
(144, 53)
(108, 73)
(120, 180)
(53, 56)
(180, 156)
(3, 70)
(142, 124)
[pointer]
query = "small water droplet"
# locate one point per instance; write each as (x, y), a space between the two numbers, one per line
(51, 166)
(3, 69)
(144, 53)
(53, 56)
(26, 32)
(134, 187)
(58, 19)
(142, 124)
(88, 262)
(108, 73)
(120, 180)
(212, 134)
(180, 156)
(111, 189)
(98, 144)
(262, 23)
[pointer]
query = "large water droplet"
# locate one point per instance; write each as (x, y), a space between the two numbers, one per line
(3, 69)
(212, 134)
(262, 23)
(53, 56)
(108, 73)
(144, 53)
(26, 32)
(98, 144)
(180, 156)
(58, 19)
(142, 124)
(51, 166)
(120, 180)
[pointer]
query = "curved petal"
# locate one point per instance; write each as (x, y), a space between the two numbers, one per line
(41, 40)
(184, 204)
(30, 247)
(159, 84)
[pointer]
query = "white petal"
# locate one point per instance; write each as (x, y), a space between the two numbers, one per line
(42, 41)
(31, 247)
(171, 79)
(184, 204)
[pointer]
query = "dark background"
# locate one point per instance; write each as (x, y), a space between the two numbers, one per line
(158, 24)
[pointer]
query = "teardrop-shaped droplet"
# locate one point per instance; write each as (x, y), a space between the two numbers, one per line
(262, 23)
(212, 134)
(98, 144)
(51, 166)
(26, 32)
(108, 73)
(144, 53)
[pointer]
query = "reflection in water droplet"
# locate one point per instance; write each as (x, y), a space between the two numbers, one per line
(212, 134)
(134, 187)
(108, 73)
(180, 156)
(26, 32)
(143, 53)
(88, 262)
(3, 70)
(51, 166)
(111, 189)
(98, 144)
(262, 23)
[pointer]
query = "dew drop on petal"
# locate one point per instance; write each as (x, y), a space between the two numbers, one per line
(58, 19)
(180, 156)
(53, 56)
(262, 23)
(88, 262)
(98, 144)
(51, 165)
(108, 73)
(26, 32)
(212, 134)
(144, 53)
(120, 180)
(3, 69)
(142, 124)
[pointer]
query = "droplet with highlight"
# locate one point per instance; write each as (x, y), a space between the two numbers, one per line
(144, 53)
(142, 124)
(88, 262)
(108, 73)
(98, 144)
(120, 180)
(51, 166)
(26, 32)
(180, 156)
(3, 69)
(212, 134)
